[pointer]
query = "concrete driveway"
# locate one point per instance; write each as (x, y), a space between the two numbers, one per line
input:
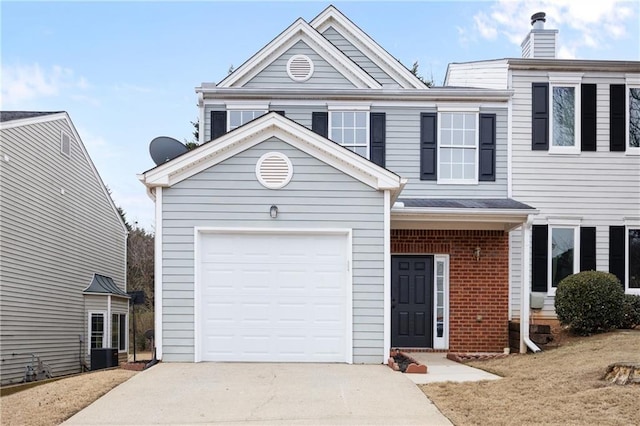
(207, 393)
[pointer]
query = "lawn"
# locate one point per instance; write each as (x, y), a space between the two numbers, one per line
(54, 402)
(562, 386)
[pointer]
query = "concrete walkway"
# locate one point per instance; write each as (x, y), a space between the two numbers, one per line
(235, 393)
(441, 369)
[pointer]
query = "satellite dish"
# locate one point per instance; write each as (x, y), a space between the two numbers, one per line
(164, 148)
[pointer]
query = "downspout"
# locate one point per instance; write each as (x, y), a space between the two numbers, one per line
(525, 294)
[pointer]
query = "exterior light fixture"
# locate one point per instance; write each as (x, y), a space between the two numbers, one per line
(476, 253)
(273, 211)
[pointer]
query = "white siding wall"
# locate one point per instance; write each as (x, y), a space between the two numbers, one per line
(601, 188)
(275, 74)
(51, 244)
(229, 195)
(489, 75)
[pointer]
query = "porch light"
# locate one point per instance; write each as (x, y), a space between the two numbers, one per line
(476, 253)
(273, 211)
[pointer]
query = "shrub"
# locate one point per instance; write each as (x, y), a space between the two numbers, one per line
(630, 311)
(590, 302)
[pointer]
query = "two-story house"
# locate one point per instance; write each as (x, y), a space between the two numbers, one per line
(337, 207)
(574, 154)
(62, 249)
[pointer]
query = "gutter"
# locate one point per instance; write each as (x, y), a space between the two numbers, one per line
(525, 341)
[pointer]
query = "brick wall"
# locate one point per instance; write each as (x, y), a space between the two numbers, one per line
(478, 289)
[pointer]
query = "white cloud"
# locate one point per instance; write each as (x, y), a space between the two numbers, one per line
(21, 83)
(587, 23)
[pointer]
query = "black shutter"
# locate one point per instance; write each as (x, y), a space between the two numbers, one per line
(279, 112)
(428, 146)
(377, 137)
(320, 123)
(588, 119)
(218, 124)
(617, 118)
(539, 259)
(487, 167)
(540, 116)
(616, 252)
(587, 248)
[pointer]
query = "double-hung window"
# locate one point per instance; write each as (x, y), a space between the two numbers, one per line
(119, 332)
(633, 122)
(564, 111)
(350, 129)
(458, 147)
(97, 332)
(238, 117)
(564, 256)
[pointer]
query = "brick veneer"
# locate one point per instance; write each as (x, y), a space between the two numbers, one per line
(477, 288)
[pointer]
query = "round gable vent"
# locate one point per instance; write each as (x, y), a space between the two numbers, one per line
(274, 170)
(300, 68)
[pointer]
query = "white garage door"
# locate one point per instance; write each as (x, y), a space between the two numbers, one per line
(273, 297)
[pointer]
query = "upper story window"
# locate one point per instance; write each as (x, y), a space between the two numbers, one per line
(238, 117)
(458, 148)
(351, 130)
(633, 124)
(564, 111)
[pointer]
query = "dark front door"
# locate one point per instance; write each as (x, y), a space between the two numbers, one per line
(412, 301)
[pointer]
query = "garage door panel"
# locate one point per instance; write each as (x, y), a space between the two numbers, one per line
(274, 298)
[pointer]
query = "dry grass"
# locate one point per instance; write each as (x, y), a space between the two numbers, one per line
(559, 387)
(52, 403)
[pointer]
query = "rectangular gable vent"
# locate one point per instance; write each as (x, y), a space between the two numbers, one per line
(65, 144)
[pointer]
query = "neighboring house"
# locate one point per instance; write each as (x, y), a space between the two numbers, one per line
(338, 208)
(574, 127)
(63, 249)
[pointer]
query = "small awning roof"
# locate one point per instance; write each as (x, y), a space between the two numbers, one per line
(459, 213)
(101, 284)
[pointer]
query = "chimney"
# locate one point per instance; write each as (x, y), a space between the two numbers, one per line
(540, 43)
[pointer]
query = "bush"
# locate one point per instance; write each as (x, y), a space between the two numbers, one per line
(630, 311)
(590, 302)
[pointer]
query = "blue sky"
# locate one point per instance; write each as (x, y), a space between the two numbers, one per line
(126, 71)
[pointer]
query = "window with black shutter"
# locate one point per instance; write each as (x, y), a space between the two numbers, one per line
(617, 117)
(587, 248)
(218, 124)
(616, 252)
(377, 138)
(320, 123)
(487, 166)
(588, 118)
(428, 146)
(540, 116)
(539, 259)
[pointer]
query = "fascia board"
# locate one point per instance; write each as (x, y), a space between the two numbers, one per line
(33, 120)
(272, 125)
(300, 30)
(362, 41)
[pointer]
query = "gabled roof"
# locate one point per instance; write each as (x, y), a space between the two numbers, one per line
(19, 115)
(332, 17)
(300, 31)
(261, 129)
(25, 118)
(101, 284)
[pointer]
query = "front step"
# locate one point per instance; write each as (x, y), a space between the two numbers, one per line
(403, 362)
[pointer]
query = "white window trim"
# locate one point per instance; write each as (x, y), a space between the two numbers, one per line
(126, 333)
(551, 290)
(441, 342)
(575, 149)
(352, 108)
(627, 289)
(449, 110)
(105, 330)
(627, 139)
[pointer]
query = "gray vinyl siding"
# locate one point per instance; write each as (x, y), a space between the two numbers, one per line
(229, 195)
(600, 188)
(51, 244)
(403, 156)
(359, 57)
(275, 74)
